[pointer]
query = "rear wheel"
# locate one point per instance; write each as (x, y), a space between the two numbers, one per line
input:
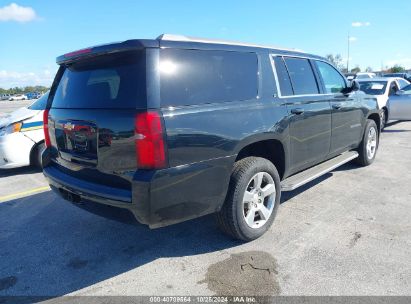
(252, 200)
(369, 144)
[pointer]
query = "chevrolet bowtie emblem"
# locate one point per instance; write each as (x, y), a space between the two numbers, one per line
(68, 126)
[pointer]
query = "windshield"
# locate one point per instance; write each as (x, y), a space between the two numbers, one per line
(41, 103)
(373, 87)
(103, 82)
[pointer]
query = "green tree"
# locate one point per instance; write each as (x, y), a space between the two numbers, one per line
(336, 60)
(21, 90)
(357, 69)
(396, 69)
(368, 69)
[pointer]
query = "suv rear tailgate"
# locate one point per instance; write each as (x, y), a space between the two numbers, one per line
(91, 120)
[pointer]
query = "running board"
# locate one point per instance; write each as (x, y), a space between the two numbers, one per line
(304, 177)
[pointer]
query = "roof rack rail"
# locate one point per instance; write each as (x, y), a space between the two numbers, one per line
(173, 37)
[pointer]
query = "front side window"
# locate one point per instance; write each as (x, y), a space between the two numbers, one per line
(302, 76)
(189, 77)
(333, 81)
(407, 89)
(403, 83)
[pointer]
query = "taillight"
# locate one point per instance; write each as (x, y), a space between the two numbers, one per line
(149, 138)
(46, 128)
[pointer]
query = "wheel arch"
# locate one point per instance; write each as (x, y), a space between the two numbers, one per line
(270, 148)
(377, 118)
(33, 150)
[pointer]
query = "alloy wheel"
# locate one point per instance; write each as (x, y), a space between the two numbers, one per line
(259, 200)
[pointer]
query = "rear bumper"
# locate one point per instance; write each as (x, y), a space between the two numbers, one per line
(93, 197)
(157, 198)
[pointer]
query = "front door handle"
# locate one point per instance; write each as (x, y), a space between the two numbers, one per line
(297, 111)
(336, 106)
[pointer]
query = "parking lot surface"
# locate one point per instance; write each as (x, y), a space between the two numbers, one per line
(7, 107)
(347, 233)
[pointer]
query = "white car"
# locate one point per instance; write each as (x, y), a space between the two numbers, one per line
(360, 75)
(22, 136)
(18, 97)
(382, 88)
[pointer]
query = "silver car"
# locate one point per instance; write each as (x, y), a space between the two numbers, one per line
(399, 105)
(382, 89)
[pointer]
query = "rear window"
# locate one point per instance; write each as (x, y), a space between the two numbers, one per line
(190, 77)
(103, 82)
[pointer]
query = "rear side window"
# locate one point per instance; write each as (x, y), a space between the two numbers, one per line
(189, 77)
(103, 82)
(283, 77)
(302, 76)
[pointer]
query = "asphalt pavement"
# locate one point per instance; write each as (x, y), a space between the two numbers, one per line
(346, 233)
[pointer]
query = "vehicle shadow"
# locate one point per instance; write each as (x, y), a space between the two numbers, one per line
(49, 247)
(391, 123)
(395, 131)
(286, 196)
(19, 171)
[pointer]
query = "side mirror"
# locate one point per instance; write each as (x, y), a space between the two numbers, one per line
(355, 86)
(399, 92)
(352, 87)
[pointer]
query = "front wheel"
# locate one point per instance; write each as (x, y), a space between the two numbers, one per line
(369, 144)
(36, 155)
(252, 200)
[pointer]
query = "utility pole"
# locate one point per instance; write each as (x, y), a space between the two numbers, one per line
(348, 57)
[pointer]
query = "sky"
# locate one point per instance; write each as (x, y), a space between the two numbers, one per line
(33, 33)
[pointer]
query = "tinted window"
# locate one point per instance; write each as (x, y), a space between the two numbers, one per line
(193, 77)
(373, 87)
(41, 103)
(333, 81)
(109, 81)
(283, 77)
(302, 76)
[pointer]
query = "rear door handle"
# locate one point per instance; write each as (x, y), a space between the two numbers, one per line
(336, 106)
(297, 111)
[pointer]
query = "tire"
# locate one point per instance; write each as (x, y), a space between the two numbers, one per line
(261, 210)
(36, 155)
(369, 145)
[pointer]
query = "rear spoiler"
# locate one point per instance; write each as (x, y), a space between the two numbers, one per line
(106, 49)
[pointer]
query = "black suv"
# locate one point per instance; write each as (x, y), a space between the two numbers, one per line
(174, 128)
